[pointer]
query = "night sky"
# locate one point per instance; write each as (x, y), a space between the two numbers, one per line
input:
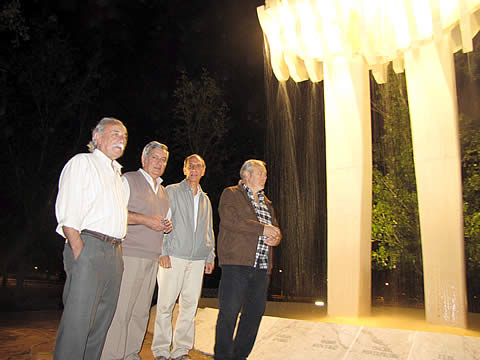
(146, 44)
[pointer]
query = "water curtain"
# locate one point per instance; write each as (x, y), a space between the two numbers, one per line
(339, 42)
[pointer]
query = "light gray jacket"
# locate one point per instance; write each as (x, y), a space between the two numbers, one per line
(184, 241)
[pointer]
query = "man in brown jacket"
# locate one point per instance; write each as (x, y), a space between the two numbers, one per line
(248, 231)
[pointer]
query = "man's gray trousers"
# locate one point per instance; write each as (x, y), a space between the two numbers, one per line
(89, 298)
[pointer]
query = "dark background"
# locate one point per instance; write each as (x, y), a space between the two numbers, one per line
(66, 64)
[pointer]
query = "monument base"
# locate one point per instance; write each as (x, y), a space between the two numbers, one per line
(334, 338)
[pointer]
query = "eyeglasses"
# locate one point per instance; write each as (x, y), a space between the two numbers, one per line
(195, 166)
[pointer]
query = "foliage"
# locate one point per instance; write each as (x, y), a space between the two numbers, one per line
(201, 113)
(467, 68)
(47, 90)
(470, 145)
(48, 93)
(12, 22)
(395, 225)
(388, 215)
(396, 248)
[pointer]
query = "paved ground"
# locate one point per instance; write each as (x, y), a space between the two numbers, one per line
(31, 335)
(28, 324)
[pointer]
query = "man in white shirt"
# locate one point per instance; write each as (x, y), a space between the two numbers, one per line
(148, 206)
(188, 252)
(91, 210)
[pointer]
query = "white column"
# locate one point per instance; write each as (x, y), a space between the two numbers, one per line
(432, 99)
(349, 186)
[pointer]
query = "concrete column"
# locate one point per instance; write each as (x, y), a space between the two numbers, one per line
(349, 186)
(432, 97)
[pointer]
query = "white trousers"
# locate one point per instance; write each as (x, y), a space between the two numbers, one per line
(127, 331)
(183, 281)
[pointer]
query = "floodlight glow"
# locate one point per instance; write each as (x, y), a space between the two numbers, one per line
(301, 32)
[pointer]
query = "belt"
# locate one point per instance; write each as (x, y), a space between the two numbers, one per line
(108, 239)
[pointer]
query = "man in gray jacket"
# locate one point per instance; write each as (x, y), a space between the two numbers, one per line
(188, 252)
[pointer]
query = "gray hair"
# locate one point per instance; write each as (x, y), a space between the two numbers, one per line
(248, 166)
(187, 159)
(92, 145)
(153, 145)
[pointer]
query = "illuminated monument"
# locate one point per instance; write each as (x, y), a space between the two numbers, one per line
(339, 42)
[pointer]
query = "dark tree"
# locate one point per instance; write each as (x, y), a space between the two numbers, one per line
(49, 91)
(201, 114)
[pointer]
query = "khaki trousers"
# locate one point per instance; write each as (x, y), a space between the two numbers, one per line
(183, 281)
(127, 331)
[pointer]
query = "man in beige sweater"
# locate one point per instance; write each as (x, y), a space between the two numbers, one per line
(148, 205)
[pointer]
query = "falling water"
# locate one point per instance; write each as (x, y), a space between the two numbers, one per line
(295, 154)
(296, 159)
(467, 68)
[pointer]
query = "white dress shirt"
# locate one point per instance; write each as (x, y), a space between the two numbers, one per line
(195, 209)
(91, 196)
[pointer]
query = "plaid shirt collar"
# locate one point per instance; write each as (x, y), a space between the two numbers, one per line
(251, 196)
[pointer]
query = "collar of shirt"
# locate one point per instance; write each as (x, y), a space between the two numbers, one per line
(188, 188)
(196, 199)
(113, 163)
(261, 198)
(150, 180)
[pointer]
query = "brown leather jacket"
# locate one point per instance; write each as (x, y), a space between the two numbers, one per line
(239, 228)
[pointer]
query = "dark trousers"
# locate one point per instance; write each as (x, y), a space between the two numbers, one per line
(89, 298)
(242, 288)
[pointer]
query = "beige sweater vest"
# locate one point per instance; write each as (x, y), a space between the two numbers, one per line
(142, 241)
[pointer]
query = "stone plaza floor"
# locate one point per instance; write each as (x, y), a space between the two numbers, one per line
(31, 334)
